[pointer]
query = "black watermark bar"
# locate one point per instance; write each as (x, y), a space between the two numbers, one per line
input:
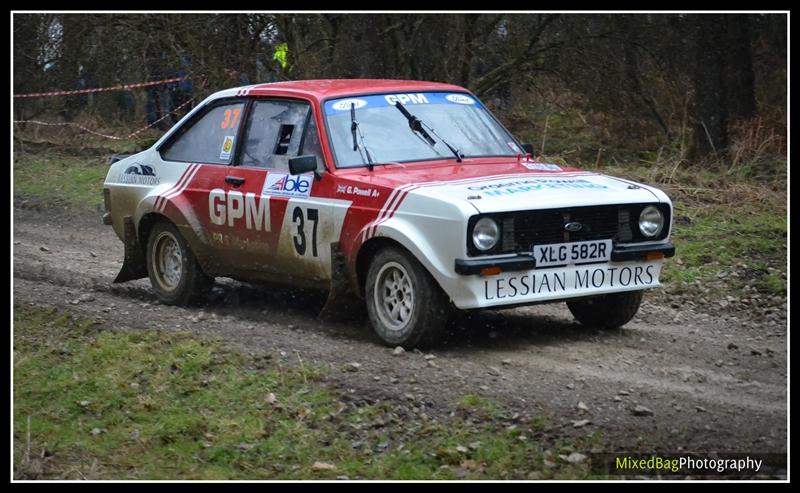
(690, 465)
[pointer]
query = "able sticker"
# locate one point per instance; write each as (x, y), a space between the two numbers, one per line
(227, 148)
(287, 185)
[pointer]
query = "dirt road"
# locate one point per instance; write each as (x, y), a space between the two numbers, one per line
(712, 380)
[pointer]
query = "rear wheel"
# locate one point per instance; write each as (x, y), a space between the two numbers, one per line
(607, 311)
(406, 306)
(174, 273)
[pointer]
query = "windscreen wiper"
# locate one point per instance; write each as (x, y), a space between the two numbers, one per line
(355, 129)
(416, 126)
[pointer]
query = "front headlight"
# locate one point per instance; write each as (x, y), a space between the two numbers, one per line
(485, 234)
(651, 221)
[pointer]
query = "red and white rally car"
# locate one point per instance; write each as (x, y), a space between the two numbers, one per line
(409, 197)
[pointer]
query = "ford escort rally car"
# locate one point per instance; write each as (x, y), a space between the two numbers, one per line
(402, 197)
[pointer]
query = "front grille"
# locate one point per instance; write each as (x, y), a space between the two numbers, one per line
(543, 227)
(521, 230)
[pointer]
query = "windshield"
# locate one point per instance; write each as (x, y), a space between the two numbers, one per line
(458, 118)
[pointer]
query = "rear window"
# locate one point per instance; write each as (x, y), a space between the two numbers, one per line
(209, 140)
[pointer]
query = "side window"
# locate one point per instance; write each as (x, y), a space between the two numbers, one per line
(211, 139)
(274, 134)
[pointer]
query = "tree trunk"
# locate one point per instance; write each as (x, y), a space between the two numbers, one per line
(710, 115)
(740, 96)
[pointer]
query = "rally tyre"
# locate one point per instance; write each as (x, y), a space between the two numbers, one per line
(405, 305)
(608, 311)
(175, 275)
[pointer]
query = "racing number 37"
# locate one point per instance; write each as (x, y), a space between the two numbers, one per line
(300, 236)
(229, 122)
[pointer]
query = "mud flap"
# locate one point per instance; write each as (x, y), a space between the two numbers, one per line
(133, 267)
(343, 303)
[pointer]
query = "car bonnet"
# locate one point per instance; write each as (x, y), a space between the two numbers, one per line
(535, 191)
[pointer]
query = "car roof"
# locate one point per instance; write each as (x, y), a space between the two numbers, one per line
(322, 89)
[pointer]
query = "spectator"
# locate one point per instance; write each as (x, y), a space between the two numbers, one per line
(236, 77)
(159, 100)
(182, 90)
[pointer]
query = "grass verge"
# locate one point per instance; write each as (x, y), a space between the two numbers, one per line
(53, 179)
(92, 403)
(64, 167)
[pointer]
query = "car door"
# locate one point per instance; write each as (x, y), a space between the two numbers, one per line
(207, 194)
(304, 218)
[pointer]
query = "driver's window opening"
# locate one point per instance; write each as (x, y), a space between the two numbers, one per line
(284, 137)
(273, 134)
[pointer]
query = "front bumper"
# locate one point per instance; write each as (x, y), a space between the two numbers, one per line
(516, 288)
(620, 253)
(623, 253)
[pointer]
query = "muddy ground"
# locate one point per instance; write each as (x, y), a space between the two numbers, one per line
(713, 378)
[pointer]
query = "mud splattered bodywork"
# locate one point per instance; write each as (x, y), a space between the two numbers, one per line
(223, 176)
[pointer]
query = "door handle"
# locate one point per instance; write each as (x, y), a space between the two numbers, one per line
(234, 180)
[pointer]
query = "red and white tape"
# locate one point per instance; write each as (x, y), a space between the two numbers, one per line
(68, 124)
(114, 137)
(123, 87)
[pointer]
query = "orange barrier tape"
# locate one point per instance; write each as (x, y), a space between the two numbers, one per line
(123, 87)
(114, 137)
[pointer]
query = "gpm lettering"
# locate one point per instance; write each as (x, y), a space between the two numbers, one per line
(232, 206)
(418, 98)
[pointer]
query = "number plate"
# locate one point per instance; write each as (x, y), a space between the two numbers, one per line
(578, 252)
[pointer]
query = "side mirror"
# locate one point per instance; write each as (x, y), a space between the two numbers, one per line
(528, 148)
(303, 164)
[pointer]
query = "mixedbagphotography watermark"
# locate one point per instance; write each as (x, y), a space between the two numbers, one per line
(734, 466)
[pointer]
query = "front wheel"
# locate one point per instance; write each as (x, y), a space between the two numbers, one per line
(174, 272)
(607, 311)
(406, 306)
